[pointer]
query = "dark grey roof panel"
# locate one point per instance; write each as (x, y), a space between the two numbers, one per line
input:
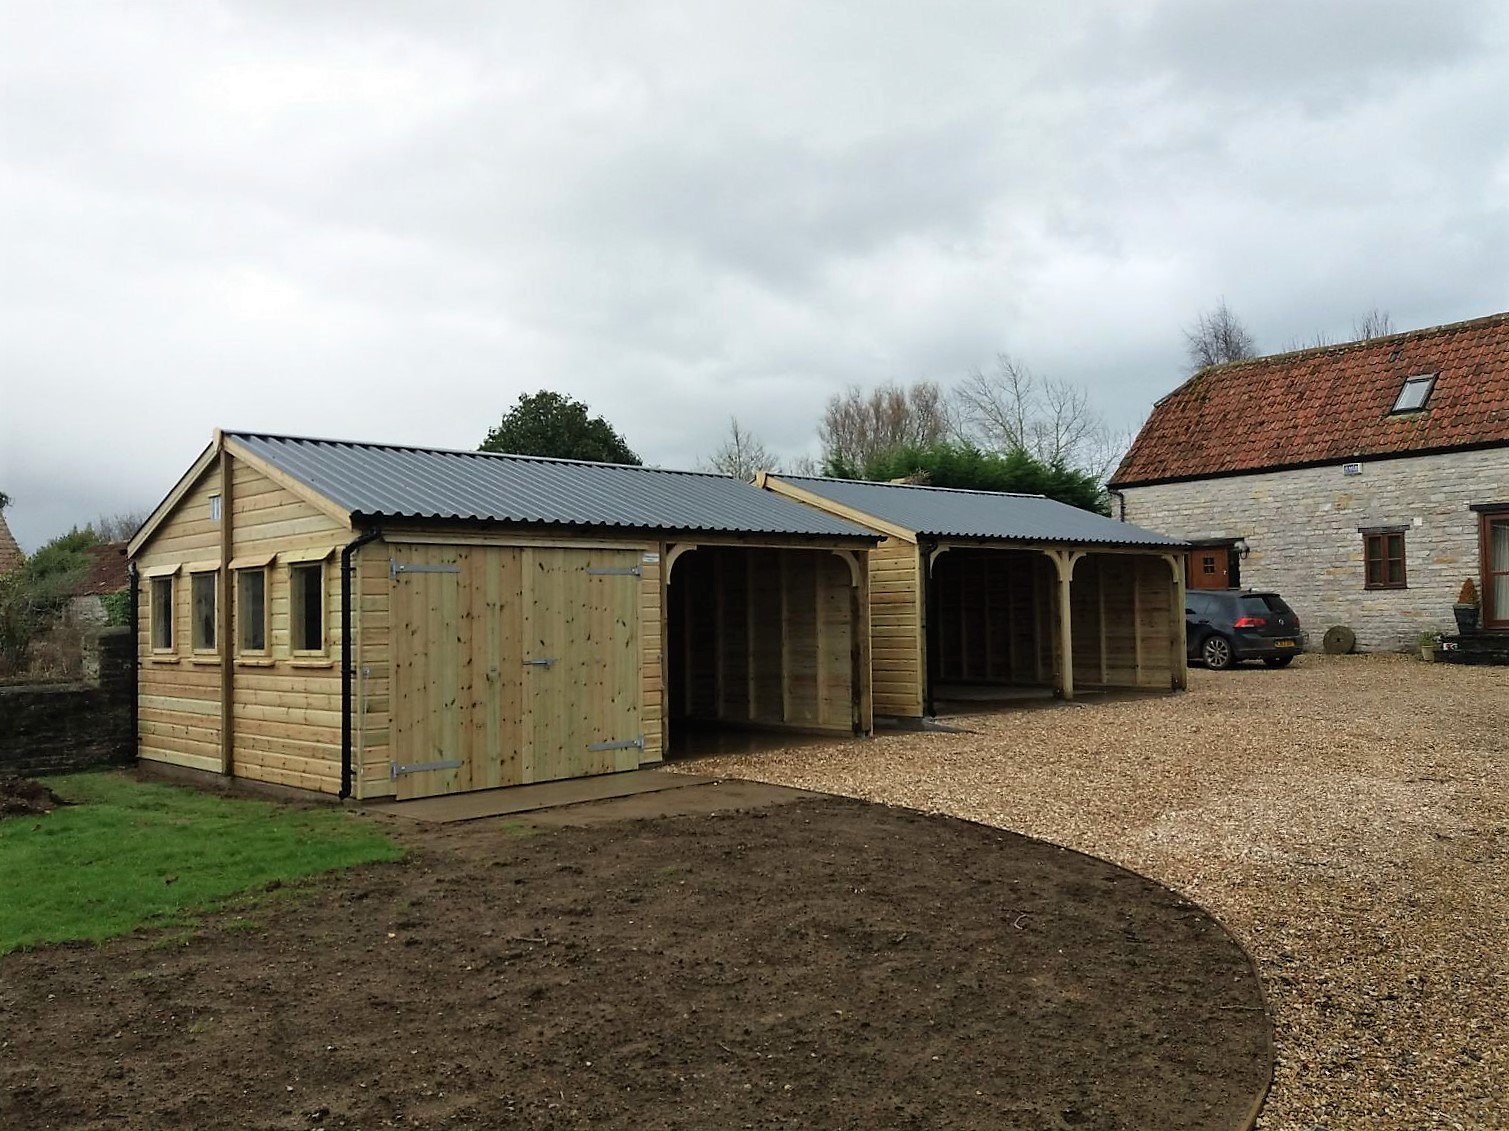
(945, 512)
(388, 481)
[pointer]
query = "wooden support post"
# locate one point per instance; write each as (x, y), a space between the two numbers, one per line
(1178, 667)
(1063, 562)
(225, 622)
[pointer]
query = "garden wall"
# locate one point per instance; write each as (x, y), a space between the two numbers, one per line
(60, 727)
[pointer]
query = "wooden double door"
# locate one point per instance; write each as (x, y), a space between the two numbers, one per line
(512, 664)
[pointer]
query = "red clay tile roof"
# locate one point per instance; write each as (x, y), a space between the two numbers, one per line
(1329, 405)
(107, 571)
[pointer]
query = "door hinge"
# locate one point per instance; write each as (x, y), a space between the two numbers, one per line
(623, 744)
(396, 567)
(616, 571)
(424, 767)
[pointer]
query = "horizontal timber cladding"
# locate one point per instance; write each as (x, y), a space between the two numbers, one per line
(766, 637)
(285, 707)
(1123, 629)
(896, 628)
(502, 665)
(994, 617)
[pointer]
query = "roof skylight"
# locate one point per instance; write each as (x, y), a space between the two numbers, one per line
(1415, 393)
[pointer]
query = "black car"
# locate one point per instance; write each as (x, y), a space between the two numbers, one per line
(1226, 626)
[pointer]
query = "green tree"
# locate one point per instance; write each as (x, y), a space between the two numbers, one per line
(549, 424)
(966, 466)
(33, 596)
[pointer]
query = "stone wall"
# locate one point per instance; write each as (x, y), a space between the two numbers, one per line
(1302, 527)
(59, 728)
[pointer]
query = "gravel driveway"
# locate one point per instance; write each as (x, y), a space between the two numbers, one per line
(1346, 818)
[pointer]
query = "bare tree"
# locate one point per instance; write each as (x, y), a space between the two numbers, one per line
(120, 526)
(1374, 324)
(1012, 408)
(740, 454)
(858, 425)
(1217, 337)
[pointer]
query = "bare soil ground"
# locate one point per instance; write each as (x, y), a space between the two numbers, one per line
(822, 963)
(1347, 818)
(22, 797)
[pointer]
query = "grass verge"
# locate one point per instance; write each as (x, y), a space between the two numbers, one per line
(127, 854)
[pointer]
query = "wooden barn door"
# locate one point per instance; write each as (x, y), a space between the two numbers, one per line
(512, 665)
(581, 654)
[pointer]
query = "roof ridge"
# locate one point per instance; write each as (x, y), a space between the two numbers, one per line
(1340, 347)
(472, 452)
(912, 486)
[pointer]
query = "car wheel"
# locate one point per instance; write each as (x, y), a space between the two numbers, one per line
(1278, 661)
(1216, 652)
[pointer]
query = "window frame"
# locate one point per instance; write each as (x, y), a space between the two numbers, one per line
(154, 604)
(1375, 549)
(1426, 379)
(242, 620)
(295, 606)
(213, 648)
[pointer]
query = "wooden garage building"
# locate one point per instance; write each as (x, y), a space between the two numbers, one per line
(373, 620)
(982, 594)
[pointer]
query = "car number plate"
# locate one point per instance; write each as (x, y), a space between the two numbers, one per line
(1283, 644)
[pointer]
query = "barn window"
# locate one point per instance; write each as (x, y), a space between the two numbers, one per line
(251, 609)
(1383, 559)
(307, 606)
(1414, 394)
(162, 614)
(203, 593)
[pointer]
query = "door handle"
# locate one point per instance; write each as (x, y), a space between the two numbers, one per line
(543, 662)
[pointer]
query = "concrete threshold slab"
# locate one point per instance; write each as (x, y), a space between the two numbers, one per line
(478, 805)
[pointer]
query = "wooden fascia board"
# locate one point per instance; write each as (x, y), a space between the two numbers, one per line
(318, 501)
(780, 487)
(174, 497)
(1052, 547)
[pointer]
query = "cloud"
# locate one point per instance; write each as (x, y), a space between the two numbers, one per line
(385, 221)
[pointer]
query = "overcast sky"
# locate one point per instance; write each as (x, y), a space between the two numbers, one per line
(385, 221)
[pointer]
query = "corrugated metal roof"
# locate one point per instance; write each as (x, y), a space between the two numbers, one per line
(947, 512)
(389, 481)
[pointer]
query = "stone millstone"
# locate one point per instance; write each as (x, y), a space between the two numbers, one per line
(1338, 640)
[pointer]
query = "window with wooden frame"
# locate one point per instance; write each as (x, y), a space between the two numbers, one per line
(251, 611)
(306, 607)
(204, 589)
(161, 598)
(1383, 559)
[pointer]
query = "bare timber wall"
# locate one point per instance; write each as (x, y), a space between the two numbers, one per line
(286, 709)
(896, 628)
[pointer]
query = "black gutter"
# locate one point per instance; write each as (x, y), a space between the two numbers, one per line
(135, 607)
(347, 671)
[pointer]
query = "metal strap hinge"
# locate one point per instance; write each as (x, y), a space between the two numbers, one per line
(424, 767)
(616, 571)
(395, 568)
(624, 744)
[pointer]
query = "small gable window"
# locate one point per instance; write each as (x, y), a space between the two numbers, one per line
(1415, 393)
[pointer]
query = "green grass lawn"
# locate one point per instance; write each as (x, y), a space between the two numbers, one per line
(128, 854)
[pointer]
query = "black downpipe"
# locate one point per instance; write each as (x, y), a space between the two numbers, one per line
(929, 624)
(135, 608)
(347, 669)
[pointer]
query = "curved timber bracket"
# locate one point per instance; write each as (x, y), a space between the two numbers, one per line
(673, 555)
(848, 558)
